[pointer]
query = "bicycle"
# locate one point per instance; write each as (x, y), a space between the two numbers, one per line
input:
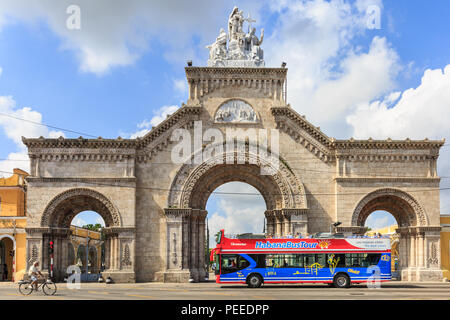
(48, 287)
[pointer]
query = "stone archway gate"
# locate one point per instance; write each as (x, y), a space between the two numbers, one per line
(155, 207)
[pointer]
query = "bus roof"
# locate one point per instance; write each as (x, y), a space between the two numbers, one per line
(312, 245)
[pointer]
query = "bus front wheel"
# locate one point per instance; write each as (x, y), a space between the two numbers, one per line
(341, 280)
(254, 281)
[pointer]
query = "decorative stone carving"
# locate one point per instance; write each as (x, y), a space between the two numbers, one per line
(433, 256)
(34, 254)
(244, 49)
(126, 260)
(235, 111)
(50, 216)
(281, 189)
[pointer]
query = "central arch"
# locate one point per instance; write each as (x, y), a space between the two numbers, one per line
(191, 187)
(282, 189)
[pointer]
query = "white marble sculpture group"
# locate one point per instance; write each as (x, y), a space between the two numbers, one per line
(244, 49)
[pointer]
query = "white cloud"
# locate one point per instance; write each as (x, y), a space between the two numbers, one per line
(118, 34)
(418, 113)
(77, 221)
(15, 129)
(329, 76)
(180, 86)
(236, 213)
(159, 116)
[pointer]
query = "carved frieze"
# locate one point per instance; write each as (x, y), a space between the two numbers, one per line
(236, 111)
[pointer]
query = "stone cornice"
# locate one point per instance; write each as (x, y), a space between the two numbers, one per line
(200, 73)
(388, 144)
(303, 132)
(389, 179)
(168, 123)
(128, 181)
(327, 148)
(159, 137)
(78, 143)
(118, 230)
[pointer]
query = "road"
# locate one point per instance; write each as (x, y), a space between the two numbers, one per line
(211, 291)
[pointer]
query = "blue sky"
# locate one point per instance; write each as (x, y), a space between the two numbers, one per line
(124, 69)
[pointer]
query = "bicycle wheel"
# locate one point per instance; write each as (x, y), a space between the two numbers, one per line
(25, 288)
(49, 288)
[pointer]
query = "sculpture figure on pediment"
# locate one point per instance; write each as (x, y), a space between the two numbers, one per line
(253, 45)
(235, 23)
(218, 50)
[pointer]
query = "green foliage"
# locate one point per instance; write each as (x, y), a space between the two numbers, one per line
(93, 227)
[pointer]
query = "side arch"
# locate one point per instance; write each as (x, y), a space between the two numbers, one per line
(65, 206)
(404, 207)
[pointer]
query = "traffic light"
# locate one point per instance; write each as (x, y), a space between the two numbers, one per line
(50, 247)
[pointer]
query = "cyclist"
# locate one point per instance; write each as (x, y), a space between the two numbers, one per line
(33, 272)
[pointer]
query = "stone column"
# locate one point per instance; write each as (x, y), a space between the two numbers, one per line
(412, 250)
(120, 254)
(201, 244)
(279, 223)
(431, 255)
(178, 259)
(402, 248)
(194, 244)
(270, 222)
(286, 223)
(420, 251)
(298, 221)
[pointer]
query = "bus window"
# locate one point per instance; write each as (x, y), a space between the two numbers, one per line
(274, 260)
(298, 261)
(291, 261)
(260, 260)
(370, 259)
(321, 259)
(310, 259)
(337, 259)
(242, 263)
(233, 262)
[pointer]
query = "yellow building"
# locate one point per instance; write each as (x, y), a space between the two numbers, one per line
(445, 245)
(82, 241)
(12, 226)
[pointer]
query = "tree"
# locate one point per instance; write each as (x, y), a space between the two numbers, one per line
(93, 227)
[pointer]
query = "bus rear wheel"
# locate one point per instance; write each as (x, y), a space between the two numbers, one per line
(341, 280)
(254, 281)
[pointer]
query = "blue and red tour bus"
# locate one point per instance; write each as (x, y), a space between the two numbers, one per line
(336, 261)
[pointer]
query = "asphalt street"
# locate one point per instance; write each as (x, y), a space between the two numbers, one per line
(395, 290)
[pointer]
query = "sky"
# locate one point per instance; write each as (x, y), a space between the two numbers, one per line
(122, 71)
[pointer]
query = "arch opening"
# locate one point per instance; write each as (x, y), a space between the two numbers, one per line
(87, 236)
(6, 258)
(63, 208)
(237, 207)
(408, 236)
